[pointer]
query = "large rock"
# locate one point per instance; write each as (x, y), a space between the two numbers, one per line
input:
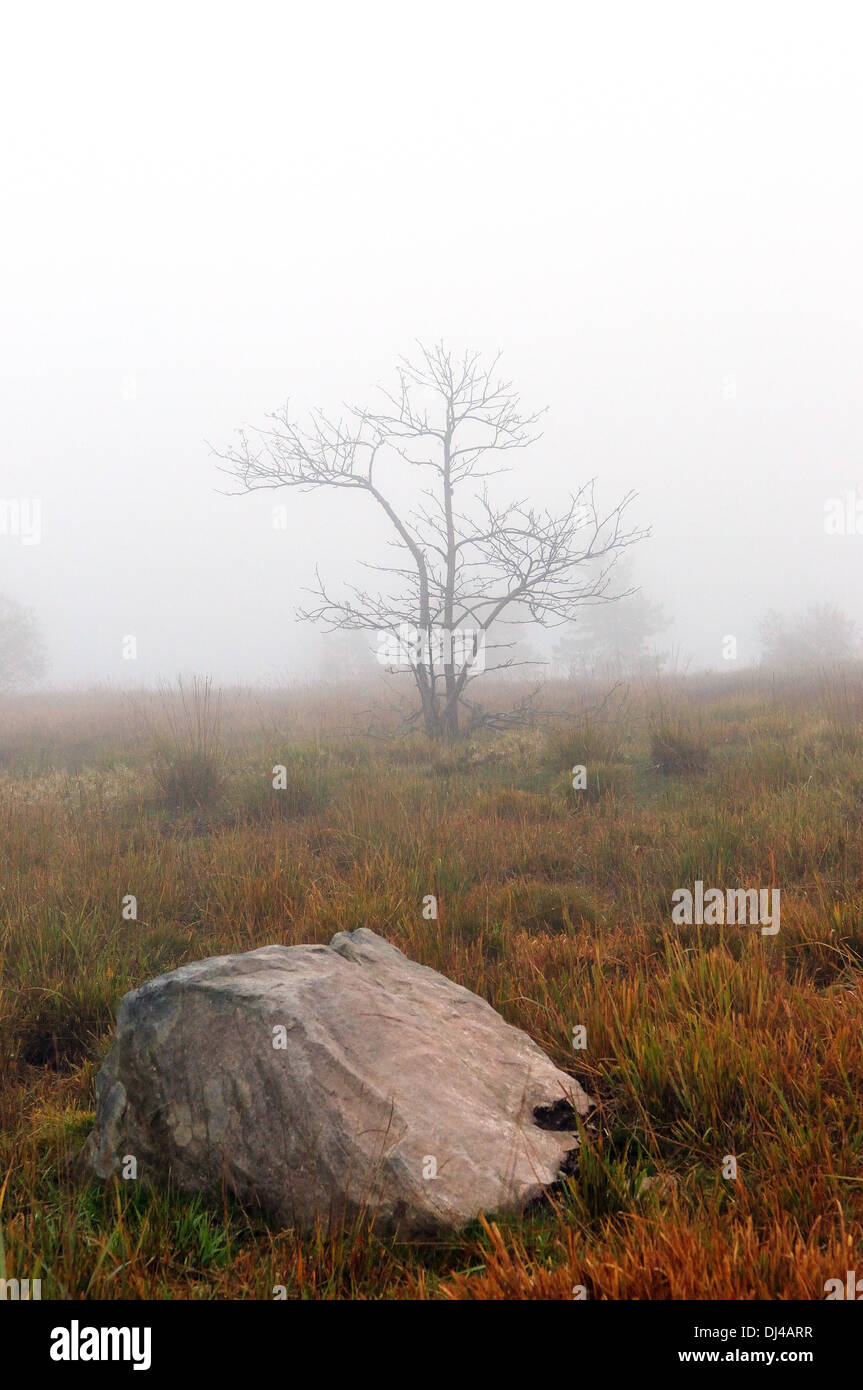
(325, 1080)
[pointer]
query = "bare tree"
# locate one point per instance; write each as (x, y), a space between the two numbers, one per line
(466, 565)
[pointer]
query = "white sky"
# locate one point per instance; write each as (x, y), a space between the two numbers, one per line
(653, 210)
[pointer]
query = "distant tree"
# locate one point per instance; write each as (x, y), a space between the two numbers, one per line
(347, 656)
(824, 634)
(614, 638)
(466, 566)
(22, 656)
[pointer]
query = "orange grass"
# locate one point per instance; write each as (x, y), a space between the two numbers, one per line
(555, 905)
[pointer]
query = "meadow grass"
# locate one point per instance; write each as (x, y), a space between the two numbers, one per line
(554, 905)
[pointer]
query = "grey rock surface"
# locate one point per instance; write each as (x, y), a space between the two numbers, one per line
(322, 1081)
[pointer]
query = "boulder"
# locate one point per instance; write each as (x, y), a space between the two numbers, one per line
(322, 1082)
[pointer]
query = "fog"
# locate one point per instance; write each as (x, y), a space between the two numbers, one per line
(653, 212)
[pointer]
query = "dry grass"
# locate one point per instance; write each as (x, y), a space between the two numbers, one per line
(554, 905)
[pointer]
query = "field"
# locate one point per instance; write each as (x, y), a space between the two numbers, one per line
(703, 1042)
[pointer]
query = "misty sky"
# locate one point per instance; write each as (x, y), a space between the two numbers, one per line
(654, 211)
